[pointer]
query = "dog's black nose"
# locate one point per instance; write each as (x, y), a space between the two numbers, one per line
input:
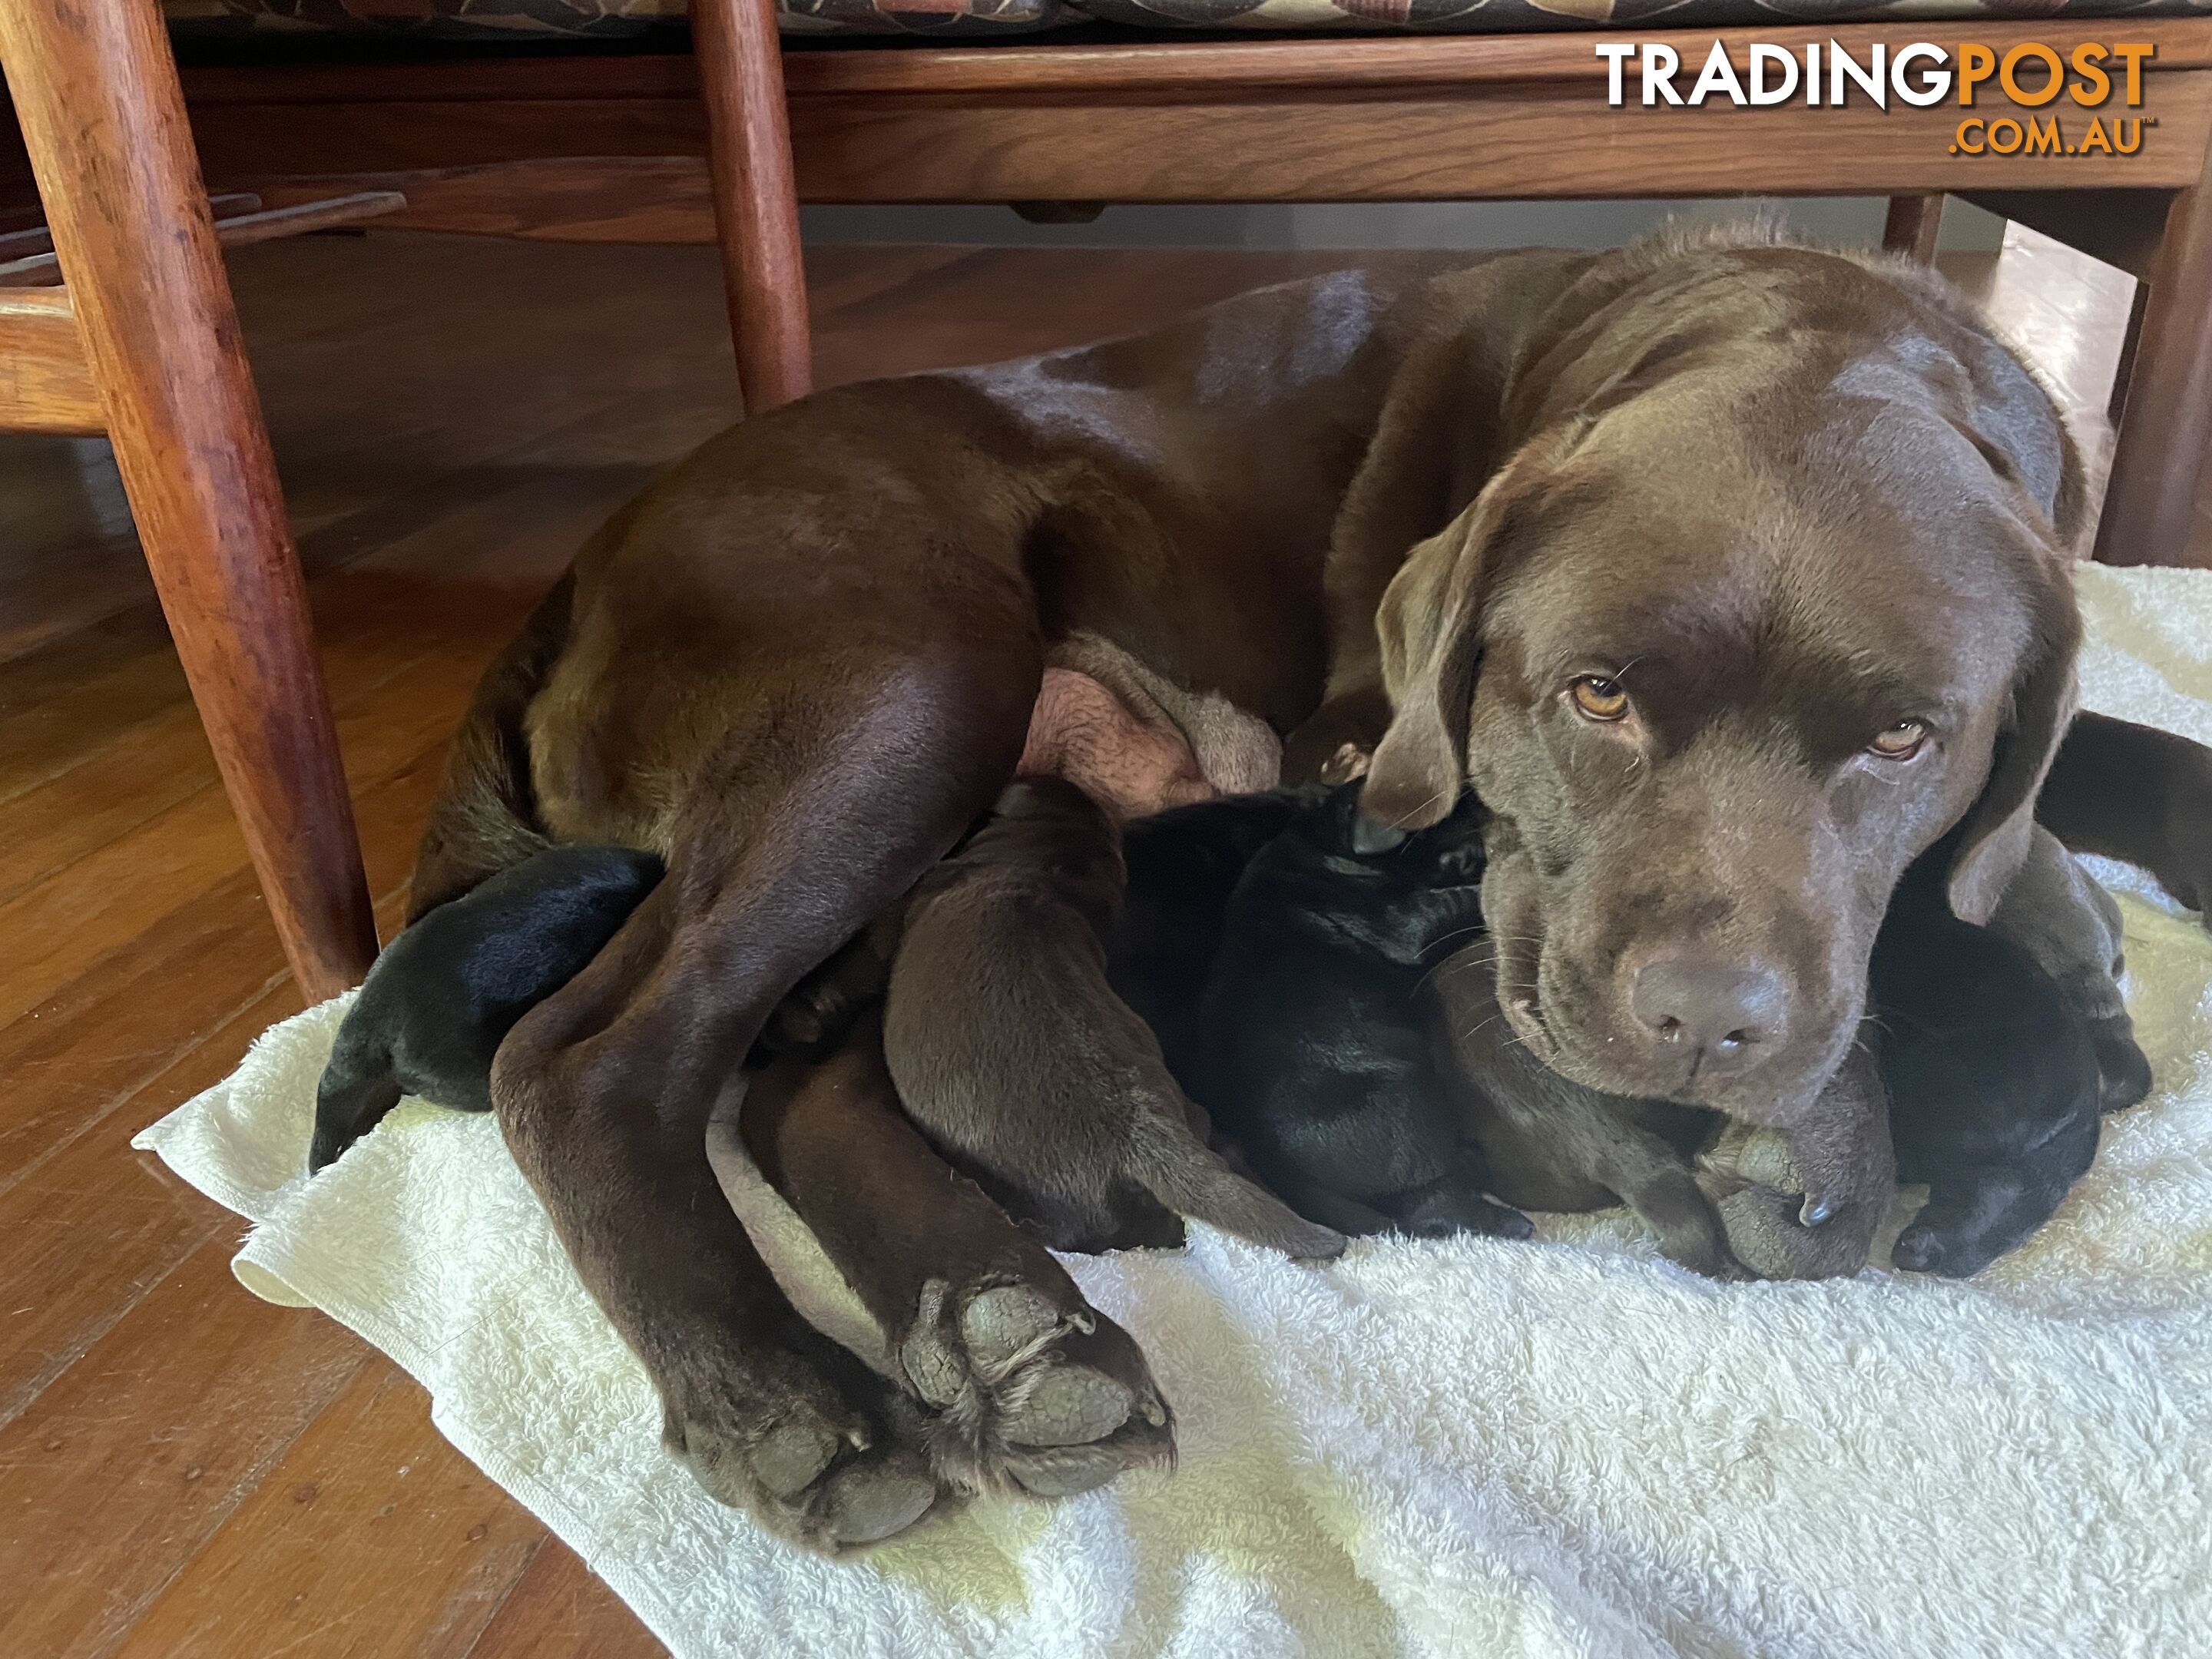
(1726, 1010)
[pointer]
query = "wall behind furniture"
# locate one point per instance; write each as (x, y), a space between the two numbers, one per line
(1853, 221)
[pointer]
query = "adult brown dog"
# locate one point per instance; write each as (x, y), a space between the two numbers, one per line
(1739, 577)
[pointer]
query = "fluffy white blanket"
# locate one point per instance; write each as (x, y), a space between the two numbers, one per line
(1563, 1448)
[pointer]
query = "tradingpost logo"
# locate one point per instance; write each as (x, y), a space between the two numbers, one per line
(2027, 77)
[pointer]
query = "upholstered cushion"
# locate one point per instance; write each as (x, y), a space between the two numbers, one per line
(1528, 16)
(513, 19)
(597, 20)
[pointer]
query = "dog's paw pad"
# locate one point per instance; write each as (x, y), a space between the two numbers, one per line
(866, 1503)
(1066, 1405)
(1032, 1391)
(792, 1457)
(829, 1465)
(1007, 1323)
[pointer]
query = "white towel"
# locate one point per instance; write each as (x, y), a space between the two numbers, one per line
(1468, 1446)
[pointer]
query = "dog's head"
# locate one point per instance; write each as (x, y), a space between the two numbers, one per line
(1771, 599)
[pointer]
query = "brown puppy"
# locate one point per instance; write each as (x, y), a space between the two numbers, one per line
(1715, 1195)
(1001, 976)
(803, 663)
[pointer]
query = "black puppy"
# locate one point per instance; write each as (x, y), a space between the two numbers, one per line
(1994, 1080)
(1316, 1057)
(441, 996)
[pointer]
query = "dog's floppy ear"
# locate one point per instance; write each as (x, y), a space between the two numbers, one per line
(1993, 837)
(1430, 624)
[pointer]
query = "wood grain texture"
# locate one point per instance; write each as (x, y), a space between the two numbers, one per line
(1190, 121)
(1912, 226)
(96, 94)
(240, 230)
(667, 200)
(756, 198)
(46, 382)
(2165, 421)
(369, 1535)
(120, 1472)
(561, 1609)
(1315, 61)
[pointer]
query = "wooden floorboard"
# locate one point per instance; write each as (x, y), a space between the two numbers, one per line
(184, 1469)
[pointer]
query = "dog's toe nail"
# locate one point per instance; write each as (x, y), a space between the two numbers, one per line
(1154, 1409)
(1914, 1251)
(790, 1456)
(1069, 1406)
(1816, 1211)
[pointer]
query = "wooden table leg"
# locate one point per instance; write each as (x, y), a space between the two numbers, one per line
(755, 196)
(2166, 422)
(1913, 224)
(95, 90)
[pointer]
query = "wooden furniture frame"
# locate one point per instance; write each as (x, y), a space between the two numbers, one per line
(141, 343)
(720, 147)
(613, 149)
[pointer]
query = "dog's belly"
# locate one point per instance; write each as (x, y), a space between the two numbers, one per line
(1107, 727)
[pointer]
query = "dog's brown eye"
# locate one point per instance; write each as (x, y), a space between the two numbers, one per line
(1901, 741)
(1598, 698)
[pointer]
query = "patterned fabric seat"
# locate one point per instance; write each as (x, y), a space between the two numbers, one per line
(603, 20)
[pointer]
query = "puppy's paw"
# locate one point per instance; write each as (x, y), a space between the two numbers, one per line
(1035, 1390)
(1779, 1222)
(2123, 1068)
(805, 1439)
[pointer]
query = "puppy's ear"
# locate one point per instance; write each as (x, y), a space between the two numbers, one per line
(1994, 837)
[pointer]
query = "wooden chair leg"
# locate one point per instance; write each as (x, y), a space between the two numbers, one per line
(1913, 224)
(95, 91)
(2165, 424)
(755, 196)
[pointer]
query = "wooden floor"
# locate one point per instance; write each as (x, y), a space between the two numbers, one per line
(185, 1470)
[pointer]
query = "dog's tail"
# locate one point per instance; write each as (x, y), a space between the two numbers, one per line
(1181, 1171)
(485, 817)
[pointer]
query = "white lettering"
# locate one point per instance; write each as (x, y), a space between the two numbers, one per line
(1614, 52)
(1933, 85)
(1785, 65)
(1872, 80)
(1660, 63)
(1717, 76)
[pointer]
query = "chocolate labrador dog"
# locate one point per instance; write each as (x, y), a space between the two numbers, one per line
(1734, 574)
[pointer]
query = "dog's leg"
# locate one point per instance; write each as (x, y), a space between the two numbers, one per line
(1030, 1387)
(2071, 928)
(2137, 794)
(805, 820)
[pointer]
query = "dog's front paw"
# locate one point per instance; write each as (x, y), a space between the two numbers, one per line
(810, 1443)
(1034, 1390)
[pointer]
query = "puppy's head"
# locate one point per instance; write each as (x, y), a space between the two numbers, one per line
(1771, 599)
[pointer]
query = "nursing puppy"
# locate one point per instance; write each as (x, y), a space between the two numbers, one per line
(1354, 1052)
(1995, 1075)
(1010, 1052)
(1316, 1060)
(442, 995)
